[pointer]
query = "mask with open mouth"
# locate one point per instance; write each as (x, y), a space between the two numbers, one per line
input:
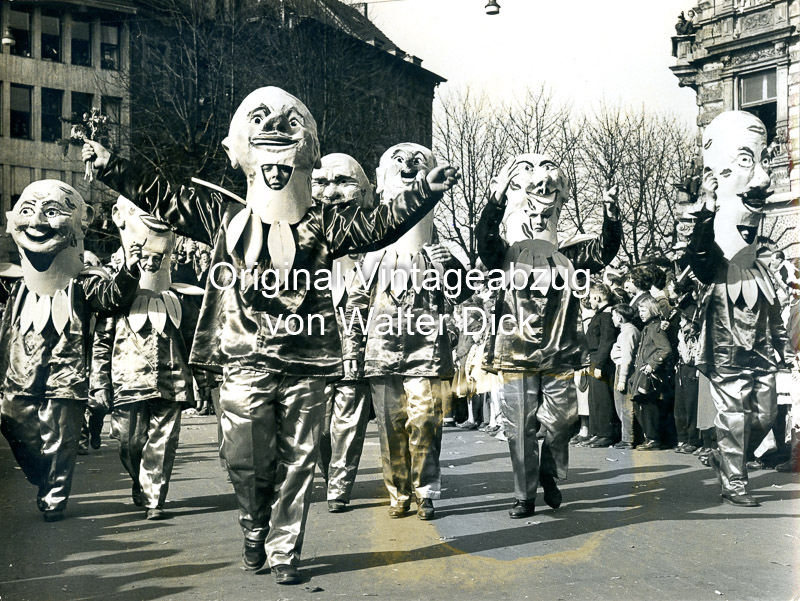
(340, 180)
(138, 227)
(735, 153)
(48, 224)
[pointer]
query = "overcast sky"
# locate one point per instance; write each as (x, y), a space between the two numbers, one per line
(586, 50)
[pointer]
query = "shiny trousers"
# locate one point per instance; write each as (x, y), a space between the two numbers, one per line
(343, 433)
(43, 435)
(148, 442)
(530, 399)
(746, 403)
(271, 426)
(408, 411)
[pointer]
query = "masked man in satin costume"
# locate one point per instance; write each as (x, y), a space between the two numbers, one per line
(272, 394)
(140, 360)
(405, 364)
(543, 349)
(742, 339)
(341, 180)
(45, 336)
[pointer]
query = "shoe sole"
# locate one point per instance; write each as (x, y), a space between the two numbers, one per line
(735, 504)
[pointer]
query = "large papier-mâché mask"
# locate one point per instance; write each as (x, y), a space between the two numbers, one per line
(735, 153)
(535, 197)
(273, 128)
(48, 224)
(340, 180)
(136, 226)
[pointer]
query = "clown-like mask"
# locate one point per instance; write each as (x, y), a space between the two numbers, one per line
(157, 240)
(48, 217)
(273, 139)
(399, 167)
(735, 154)
(341, 180)
(535, 197)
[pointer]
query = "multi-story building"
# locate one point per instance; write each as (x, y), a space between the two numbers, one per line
(745, 55)
(59, 59)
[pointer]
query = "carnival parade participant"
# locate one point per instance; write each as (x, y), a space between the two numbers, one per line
(405, 366)
(263, 324)
(538, 357)
(742, 339)
(45, 334)
(341, 180)
(140, 361)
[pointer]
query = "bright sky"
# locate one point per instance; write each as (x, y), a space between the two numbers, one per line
(585, 50)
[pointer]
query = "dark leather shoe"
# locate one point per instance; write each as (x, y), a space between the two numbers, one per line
(578, 439)
(588, 442)
(552, 496)
(399, 510)
(53, 515)
(155, 513)
(754, 466)
(601, 442)
(788, 467)
(686, 449)
(137, 495)
(623, 445)
(337, 506)
(254, 554)
(649, 445)
(425, 510)
(522, 509)
(286, 574)
(740, 499)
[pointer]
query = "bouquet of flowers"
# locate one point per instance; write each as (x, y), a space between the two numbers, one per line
(94, 126)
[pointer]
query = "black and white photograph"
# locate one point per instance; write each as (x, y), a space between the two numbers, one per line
(399, 299)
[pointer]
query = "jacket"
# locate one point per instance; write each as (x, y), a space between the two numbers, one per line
(655, 351)
(238, 326)
(624, 351)
(51, 365)
(600, 337)
(556, 339)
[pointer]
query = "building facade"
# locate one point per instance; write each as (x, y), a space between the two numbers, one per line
(745, 55)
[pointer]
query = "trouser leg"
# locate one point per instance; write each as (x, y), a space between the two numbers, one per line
(158, 454)
(19, 422)
(389, 399)
(649, 417)
(348, 431)
(520, 402)
(424, 430)
(601, 408)
(325, 450)
(557, 412)
(131, 420)
(300, 407)
(624, 408)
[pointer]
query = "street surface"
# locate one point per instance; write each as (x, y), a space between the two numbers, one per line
(633, 526)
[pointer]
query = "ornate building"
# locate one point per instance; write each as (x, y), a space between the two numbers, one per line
(745, 55)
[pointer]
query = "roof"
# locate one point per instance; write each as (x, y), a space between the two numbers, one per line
(123, 6)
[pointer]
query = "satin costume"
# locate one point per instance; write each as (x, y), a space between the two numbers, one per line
(405, 371)
(740, 348)
(272, 395)
(348, 407)
(45, 380)
(538, 362)
(150, 381)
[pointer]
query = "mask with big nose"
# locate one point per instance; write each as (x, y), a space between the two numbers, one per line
(735, 155)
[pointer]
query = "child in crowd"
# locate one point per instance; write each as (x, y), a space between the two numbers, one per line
(623, 354)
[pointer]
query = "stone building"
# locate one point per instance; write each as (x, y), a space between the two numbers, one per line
(58, 60)
(745, 55)
(61, 58)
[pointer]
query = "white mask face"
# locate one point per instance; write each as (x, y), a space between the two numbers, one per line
(341, 180)
(735, 152)
(400, 166)
(535, 198)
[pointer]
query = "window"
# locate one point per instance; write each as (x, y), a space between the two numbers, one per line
(19, 22)
(81, 103)
(757, 88)
(52, 101)
(112, 108)
(109, 46)
(81, 42)
(20, 111)
(51, 36)
(758, 95)
(21, 178)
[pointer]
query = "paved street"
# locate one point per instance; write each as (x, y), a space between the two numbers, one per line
(633, 526)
